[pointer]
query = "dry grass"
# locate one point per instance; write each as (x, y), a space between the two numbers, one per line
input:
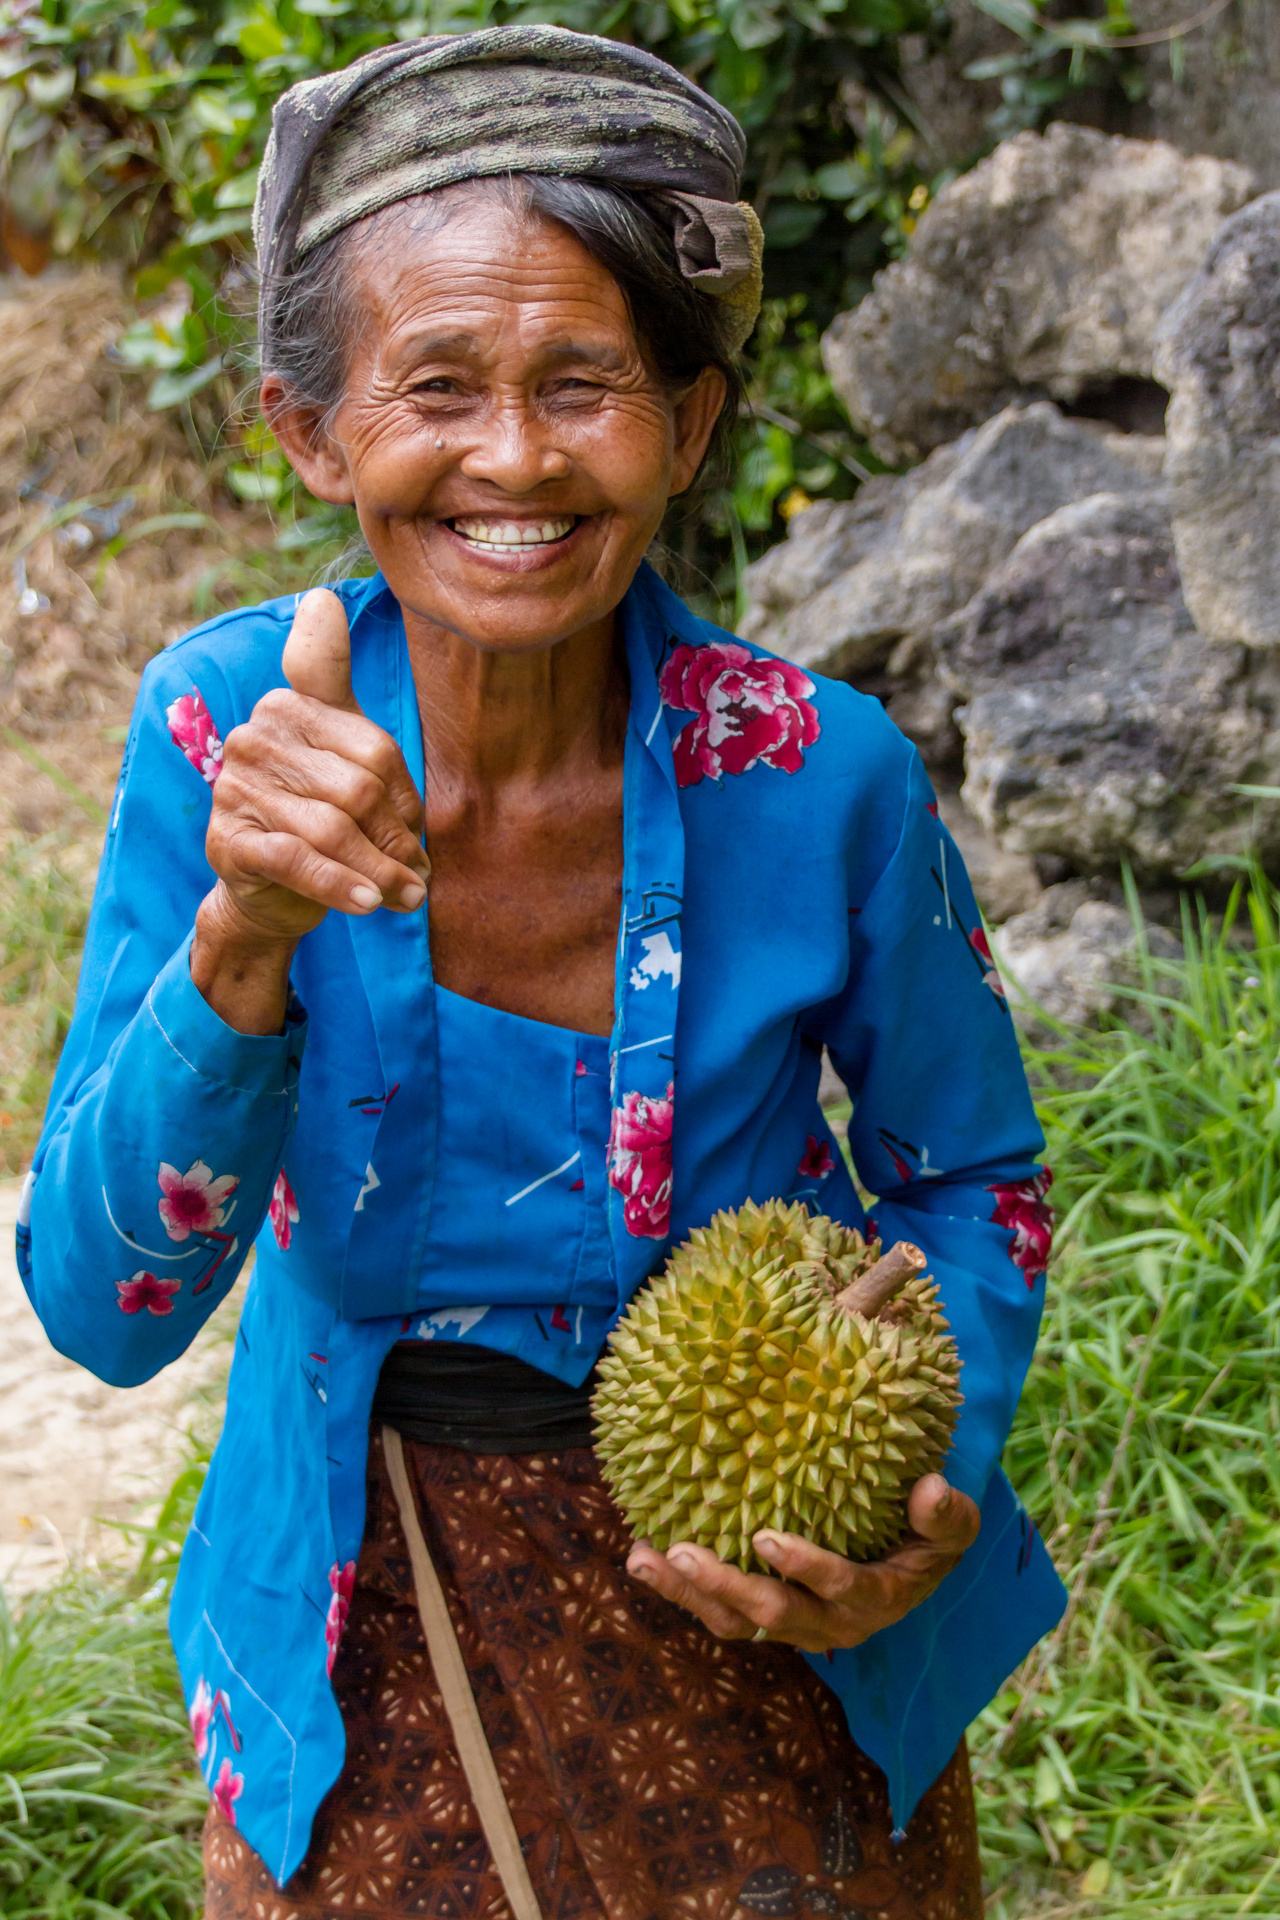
(109, 516)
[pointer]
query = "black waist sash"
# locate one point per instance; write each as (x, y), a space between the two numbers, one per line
(453, 1394)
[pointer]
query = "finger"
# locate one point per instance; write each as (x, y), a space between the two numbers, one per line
(827, 1575)
(663, 1577)
(280, 859)
(296, 742)
(942, 1515)
(334, 836)
(362, 797)
(317, 655)
(787, 1612)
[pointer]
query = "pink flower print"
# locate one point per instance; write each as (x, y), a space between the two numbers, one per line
(816, 1161)
(343, 1582)
(745, 710)
(192, 731)
(144, 1290)
(640, 1161)
(1021, 1207)
(991, 978)
(227, 1789)
(193, 1200)
(283, 1211)
(200, 1714)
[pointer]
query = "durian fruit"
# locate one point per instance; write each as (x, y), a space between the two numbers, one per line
(779, 1373)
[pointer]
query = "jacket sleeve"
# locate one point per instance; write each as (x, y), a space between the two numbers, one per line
(166, 1129)
(943, 1131)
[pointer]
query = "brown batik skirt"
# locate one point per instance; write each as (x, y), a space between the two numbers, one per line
(652, 1771)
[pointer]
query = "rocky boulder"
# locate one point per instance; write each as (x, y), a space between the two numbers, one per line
(1069, 954)
(853, 577)
(1099, 725)
(1219, 354)
(1046, 270)
(860, 586)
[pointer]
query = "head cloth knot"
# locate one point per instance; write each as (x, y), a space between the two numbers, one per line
(427, 113)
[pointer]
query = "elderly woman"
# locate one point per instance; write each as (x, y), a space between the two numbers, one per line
(469, 1101)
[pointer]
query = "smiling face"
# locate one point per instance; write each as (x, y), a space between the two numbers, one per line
(508, 448)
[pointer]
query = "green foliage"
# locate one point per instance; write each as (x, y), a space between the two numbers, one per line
(1057, 58)
(149, 147)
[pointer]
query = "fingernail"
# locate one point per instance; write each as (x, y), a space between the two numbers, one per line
(412, 896)
(942, 1502)
(366, 898)
(768, 1546)
(683, 1562)
(642, 1573)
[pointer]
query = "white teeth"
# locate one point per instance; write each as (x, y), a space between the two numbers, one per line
(495, 535)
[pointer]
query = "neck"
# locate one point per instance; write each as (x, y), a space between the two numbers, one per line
(493, 719)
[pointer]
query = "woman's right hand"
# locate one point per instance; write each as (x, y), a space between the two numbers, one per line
(313, 809)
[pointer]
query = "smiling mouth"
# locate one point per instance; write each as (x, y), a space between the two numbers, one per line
(502, 536)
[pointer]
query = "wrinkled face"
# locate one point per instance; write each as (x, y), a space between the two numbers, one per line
(506, 446)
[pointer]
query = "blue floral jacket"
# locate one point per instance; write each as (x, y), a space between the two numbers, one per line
(787, 885)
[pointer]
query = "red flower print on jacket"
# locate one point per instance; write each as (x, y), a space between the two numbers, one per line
(816, 1161)
(283, 1211)
(144, 1290)
(343, 1582)
(640, 1161)
(1021, 1207)
(200, 1713)
(192, 731)
(227, 1789)
(745, 710)
(193, 1201)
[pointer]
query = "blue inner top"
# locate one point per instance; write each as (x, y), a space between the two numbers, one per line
(535, 1216)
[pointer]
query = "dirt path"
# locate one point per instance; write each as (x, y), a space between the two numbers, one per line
(75, 1453)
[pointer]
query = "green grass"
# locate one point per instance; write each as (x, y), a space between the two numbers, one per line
(100, 1809)
(1134, 1765)
(1138, 1760)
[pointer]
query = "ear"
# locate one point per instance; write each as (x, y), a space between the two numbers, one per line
(317, 459)
(696, 413)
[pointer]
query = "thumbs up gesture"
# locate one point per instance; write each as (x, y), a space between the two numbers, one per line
(314, 808)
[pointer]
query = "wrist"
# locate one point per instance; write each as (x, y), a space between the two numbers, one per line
(240, 969)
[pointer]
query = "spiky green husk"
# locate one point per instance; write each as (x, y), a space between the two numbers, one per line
(735, 1395)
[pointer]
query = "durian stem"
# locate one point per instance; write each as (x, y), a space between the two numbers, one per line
(876, 1287)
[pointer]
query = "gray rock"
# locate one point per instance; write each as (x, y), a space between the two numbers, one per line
(852, 580)
(1219, 354)
(1099, 724)
(1044, 270)
(1067, 956)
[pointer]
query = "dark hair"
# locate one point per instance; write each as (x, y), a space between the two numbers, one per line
(680, 330)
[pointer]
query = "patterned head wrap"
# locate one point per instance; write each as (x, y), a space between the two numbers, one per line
(427, 113)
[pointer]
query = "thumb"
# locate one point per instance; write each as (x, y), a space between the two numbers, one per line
(942, 1515)
(317, 655)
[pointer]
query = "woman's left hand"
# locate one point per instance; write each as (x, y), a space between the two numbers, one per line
(822, 1601)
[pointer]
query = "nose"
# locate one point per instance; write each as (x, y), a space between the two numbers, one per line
(515, 450)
